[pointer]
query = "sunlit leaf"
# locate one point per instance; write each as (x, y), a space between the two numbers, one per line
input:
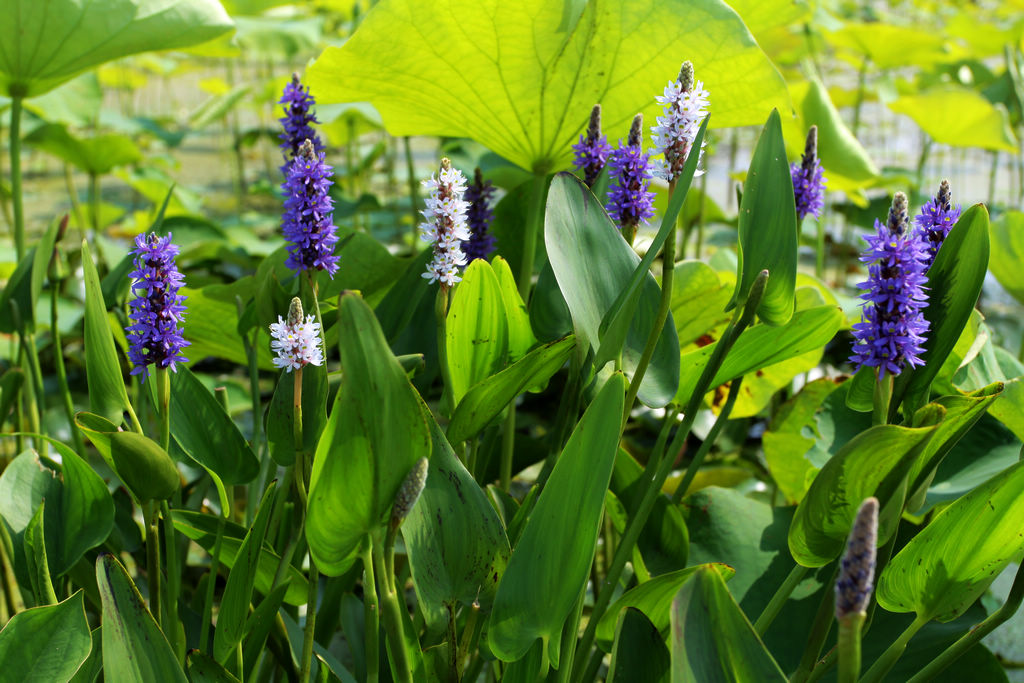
(959, 117)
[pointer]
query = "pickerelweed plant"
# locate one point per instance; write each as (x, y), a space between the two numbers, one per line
(543, 447)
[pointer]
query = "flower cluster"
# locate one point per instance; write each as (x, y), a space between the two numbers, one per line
(155, 337)
(685, 106)
(445, 226)
(296, 341)
(479, 216)
(936, 219)
(308, 223)
(629, 200)
(592, 150)
(857, 568)
(296, 121)
(890, 334)
(808, 183)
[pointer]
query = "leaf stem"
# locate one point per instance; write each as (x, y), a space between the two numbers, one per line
(171, 624)
(15, 142)
(371, 614)
(775, 605)
(819, 631)
(392, 618)
(882, 398)
(62, 376)
(848, 647)
(884, 663)
(310, 628)
(150, 520)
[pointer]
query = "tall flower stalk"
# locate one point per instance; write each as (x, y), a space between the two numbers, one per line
(445, 226)
(297, 121)
(308, 221)
(630, 202)
(936, 219)
(891, 333)
(808, 182)
(592, 150)
(479, 216)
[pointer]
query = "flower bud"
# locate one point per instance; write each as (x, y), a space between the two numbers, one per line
(409, 492)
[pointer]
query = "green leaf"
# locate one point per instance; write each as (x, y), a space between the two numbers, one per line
(579, 234)
(712, 640)
(456, 543)
(485, 401)
(41, 258)
(44, 45)
(367, 447)
(889, 45)
(207, 433)
(549, 314)
(768, 228)
(959, 117)
(520, 334)
(94, 155)
(234, 604)
(838, 149)
(551, 560)
(10, 391)
(280, 436)
(205, 669)
(763, 345)
(617, 320)
(35, 558)
(144, 467)
(954, 284)
(45, 644)
(874, 463)
(18, 290)
(950, 564)
(539, 67)
(654, 599)
(107, 395)
(1007, 259)
(79, 513)
(134, 648)
(699, 299)
(639, 653)
(202, 529)
(476, 330)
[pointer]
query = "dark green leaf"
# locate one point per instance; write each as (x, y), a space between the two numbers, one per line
(45, 644)
(639, 653)
(107, 395)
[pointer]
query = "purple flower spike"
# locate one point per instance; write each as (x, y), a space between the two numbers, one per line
(297, 120)
(891, 332)
(479, 216)
(857, 568)
(808, 183)
(685, 104)
(936, 219)
(308, 221)
(629, 200)
(592, 150)
(155, 337)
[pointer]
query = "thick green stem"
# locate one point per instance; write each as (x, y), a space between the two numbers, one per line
(392, 617)
(774, 606)
(848, 647)
(819, 255)
(19, 212)
(972, 637)
(163, 393)
(211, 583)
(441, 315)
(62, 376)
(709, 441)
(668, 263)
(297, 437)
(882, 398)
(172, 626)
(819, 631)
(310, 628)
(371, 615)
(150, 519)
(888, 659)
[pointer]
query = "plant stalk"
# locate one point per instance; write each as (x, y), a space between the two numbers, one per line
(888, 659)
(819, 631)
(19, 211)
(371, 615)
(62, 376)
(848, 647)
(392, 618)
(775, 605)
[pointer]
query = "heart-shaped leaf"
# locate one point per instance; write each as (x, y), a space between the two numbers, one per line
(46, 644)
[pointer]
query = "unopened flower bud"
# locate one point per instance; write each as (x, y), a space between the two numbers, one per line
(410, 492)
(857, 568)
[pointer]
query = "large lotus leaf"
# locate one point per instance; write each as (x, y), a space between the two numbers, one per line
(521, 77)
(43, 44)
(889, 46)
(959, 117)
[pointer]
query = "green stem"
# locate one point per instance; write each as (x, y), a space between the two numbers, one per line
(371, 614)
(508, 446)
(76, 206)
(392, 618)
(849, 647)
(204, 637)
(94, 201)
(972, 637)
(62, 376)
(709, 441)
(570, 632)
(15, 140)
(744, 316)
(150, 520)
(297, 437)
(888, 659)
(862, 77)
(441, 314)
(774, 606)
(819, 256)
(172, 625)
(310, 629)
(163, 393)
(882, 398)
(992, 175)
(819, 631)
(668, 261)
